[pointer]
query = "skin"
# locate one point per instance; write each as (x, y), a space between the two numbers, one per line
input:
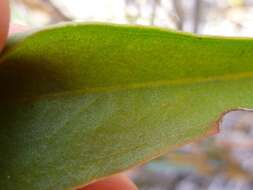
(116, 182)
(4, 21)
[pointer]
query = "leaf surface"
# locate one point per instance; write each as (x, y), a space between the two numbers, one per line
(83, 101)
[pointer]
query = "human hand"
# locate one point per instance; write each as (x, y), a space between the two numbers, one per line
(4, 21)
(116, 182)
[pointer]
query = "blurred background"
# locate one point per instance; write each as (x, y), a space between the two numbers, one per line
(217, 17)
(221, 162)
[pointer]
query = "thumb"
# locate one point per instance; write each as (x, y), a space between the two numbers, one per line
(116, 182)
(4, 21)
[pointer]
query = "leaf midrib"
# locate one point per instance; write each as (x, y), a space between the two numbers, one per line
(135, 86)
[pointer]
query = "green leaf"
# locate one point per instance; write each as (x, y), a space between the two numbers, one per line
(80, 102)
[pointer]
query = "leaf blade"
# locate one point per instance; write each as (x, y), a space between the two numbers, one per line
(103, 84)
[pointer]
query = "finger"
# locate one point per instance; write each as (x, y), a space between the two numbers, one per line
(116, 182)
(4, 21)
